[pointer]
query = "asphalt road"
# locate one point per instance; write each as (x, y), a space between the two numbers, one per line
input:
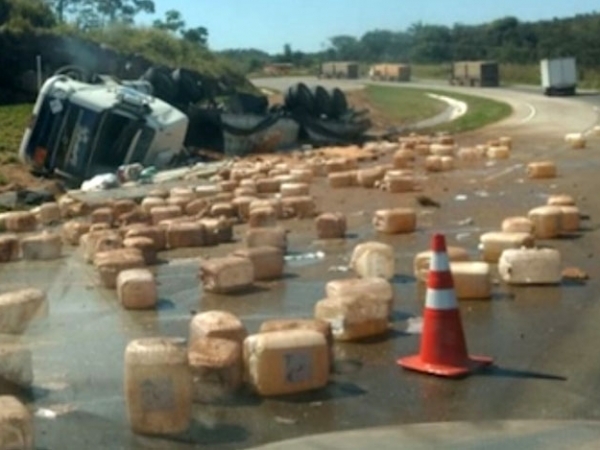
(543, 339)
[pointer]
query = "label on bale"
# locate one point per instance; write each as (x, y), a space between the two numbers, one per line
(157, 394)
(298, 366)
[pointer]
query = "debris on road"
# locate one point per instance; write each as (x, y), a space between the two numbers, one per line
(575, 273)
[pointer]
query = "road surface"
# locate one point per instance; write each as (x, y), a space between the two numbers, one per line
(543, 339)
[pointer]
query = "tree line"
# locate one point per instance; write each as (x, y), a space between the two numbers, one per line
(91, 15)
(506, 40)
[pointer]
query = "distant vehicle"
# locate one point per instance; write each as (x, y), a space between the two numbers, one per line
(559, 76)
(338, 70)
(475, 74)
(390, 72)
(79, 130)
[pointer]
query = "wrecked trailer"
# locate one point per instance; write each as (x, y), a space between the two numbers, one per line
(79, 130)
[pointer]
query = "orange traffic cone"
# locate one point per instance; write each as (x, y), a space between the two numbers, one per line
(443, 347)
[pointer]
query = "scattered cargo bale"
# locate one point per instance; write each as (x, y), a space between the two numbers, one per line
(122, 207)
(160, 213)
(217, 324)
(110, 241)
(576, 141)
(517, 225)
(245, 191)
(152, 202)
(447, 163)
(217, 231)
(109, 264)
(498, 152)
(20, 222)
(262, 217)
(136, 289)
(268, 262)
(395, 221)
(468, 154)
(44, 246)
(367, 178)
(546, 221)
(89, 240)
(302, 207)
(216, 367)
(505, 141)
(16, 364)
(9, 247)
(207, 191)
(295, 189)
(561, 200)
(268, 186)
(302, 175)
(182, 202)
(404, 158)
(286, 362)
(376, 288)
(434, 164)
(197, 207)
(570, 219)
(102, 215)
(158, 386)
(137, 216)
(157, 234)
(266, 237)
(472, 280)
(442, 149)
(354, 317)
(144, 245)
(543, 169)
(397, 182)
(423, 149)
(185, 234)
(274, 203)
(530, 266)
(223, 209)
(19, 308)
(226, 275)
(242, 206)
(494, 243)
(423, 260)
(16, 425)
(331, 226)
(50, 213)
(373, 259)
(342, 179)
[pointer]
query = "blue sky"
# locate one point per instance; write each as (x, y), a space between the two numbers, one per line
(307, 24)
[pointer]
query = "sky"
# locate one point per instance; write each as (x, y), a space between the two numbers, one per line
(307, 25)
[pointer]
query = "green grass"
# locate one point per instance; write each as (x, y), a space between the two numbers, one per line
(481, 112)
(403, 104)
(13, 121)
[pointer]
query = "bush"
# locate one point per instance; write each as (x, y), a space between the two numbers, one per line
(25, 15)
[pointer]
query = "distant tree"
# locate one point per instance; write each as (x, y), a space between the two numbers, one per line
(97, 13)
(198, 35)
(173, 22)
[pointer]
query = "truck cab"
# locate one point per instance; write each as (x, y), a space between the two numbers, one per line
(79, 130)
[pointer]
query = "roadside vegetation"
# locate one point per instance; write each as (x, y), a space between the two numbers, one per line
(13, 120)
(403, 105)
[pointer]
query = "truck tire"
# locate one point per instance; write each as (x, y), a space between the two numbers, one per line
(163, 85)
(299, 98)
(339, 103)
(322, 101)
(76, 73)
(189, 86)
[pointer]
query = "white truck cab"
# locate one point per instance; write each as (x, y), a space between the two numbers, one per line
(79, 130)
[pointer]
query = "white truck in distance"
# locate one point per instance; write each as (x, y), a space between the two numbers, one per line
(559, 76)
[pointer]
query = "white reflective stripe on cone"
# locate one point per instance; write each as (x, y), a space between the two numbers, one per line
(443, 299)
(439, 262)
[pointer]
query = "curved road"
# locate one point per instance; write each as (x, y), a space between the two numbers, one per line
(533, 113)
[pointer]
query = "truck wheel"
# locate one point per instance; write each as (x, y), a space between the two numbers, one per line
(74, 72)
(299, 98)
(339, 103)
(163, 85)
(322, 101)
(189, 85)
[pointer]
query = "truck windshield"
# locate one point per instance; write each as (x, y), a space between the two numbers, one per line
(113, 141)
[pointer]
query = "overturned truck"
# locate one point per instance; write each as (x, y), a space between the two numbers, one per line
(88, 125)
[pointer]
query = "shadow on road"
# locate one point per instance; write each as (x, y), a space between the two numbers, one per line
(501, 372)
(335, 390)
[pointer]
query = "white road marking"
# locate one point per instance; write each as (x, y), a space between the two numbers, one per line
(504, 172)
(459, 108)
(531, 115)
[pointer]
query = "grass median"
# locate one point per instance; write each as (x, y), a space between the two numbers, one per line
(13, 121)
(409, 105)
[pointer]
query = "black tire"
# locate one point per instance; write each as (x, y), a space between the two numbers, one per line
(76, 73)
(163, 85)
(339, 103)
(322, 101)
(189, 85)
(299, 98)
